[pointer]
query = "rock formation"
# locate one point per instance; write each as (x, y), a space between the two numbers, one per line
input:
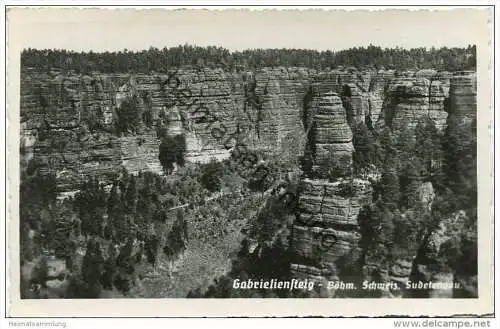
(267, 105)
(326, 228)
(274, 105)
(68, 128)
(463, 91)
(411, 97)
(332, 135)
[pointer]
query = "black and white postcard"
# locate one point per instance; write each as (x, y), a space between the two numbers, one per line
(249, 162)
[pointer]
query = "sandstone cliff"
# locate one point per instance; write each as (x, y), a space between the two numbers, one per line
(326, 227)
(412, 96)
(266, 105)
(463, 95)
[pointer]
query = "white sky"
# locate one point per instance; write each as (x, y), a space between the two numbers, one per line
(100, 29)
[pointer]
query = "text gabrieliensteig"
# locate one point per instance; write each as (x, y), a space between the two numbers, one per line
(305, 284)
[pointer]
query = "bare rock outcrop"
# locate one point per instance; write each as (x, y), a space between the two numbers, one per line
(326, 227)
(274, 105)
(332, 134)
(463, 95)
(362, 93)
(69, 119)
(412, 98)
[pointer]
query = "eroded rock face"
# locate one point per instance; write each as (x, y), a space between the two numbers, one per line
(463, 95)
(69, 120)
(274, 105)
(326, 227)
(65, 123)
(266, 105)
(332, 134)
(322, 203)
(413, 97)
(364, 92)
(426, 195)
(140, 153)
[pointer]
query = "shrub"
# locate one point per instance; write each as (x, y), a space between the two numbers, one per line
(128, 117)
(211, 176)
(172, 150)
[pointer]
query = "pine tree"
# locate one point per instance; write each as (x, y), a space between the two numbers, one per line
(459, 148)
(428, 146)
(91, 205)
(114, 208)
(387, 228)
(390, 190)
(177, 237)
(118, 217)
(172, 151)
(63, 238)
(365, 150)
(109, 268)
(180, 142)
(405, 146)
(92, 267)
(41, 271)
(211, 176)
(410, 180)
(389, 152)
(130, 197)
(125, 267)
(377, 230)
(151, 245)
(128, 116)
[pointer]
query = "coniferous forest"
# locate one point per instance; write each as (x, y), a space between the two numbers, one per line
(159, 60)
(189, 228)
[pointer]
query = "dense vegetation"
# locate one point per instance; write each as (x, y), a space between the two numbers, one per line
(172, 149)
(393, 226)
(106, 235)
(397, 225)
(159, 60)
(127, 116)
(109, 237)
(115, 229)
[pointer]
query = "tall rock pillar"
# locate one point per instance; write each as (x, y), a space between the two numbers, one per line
(326, 228)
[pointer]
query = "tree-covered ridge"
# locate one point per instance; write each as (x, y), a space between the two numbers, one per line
(160, 60)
